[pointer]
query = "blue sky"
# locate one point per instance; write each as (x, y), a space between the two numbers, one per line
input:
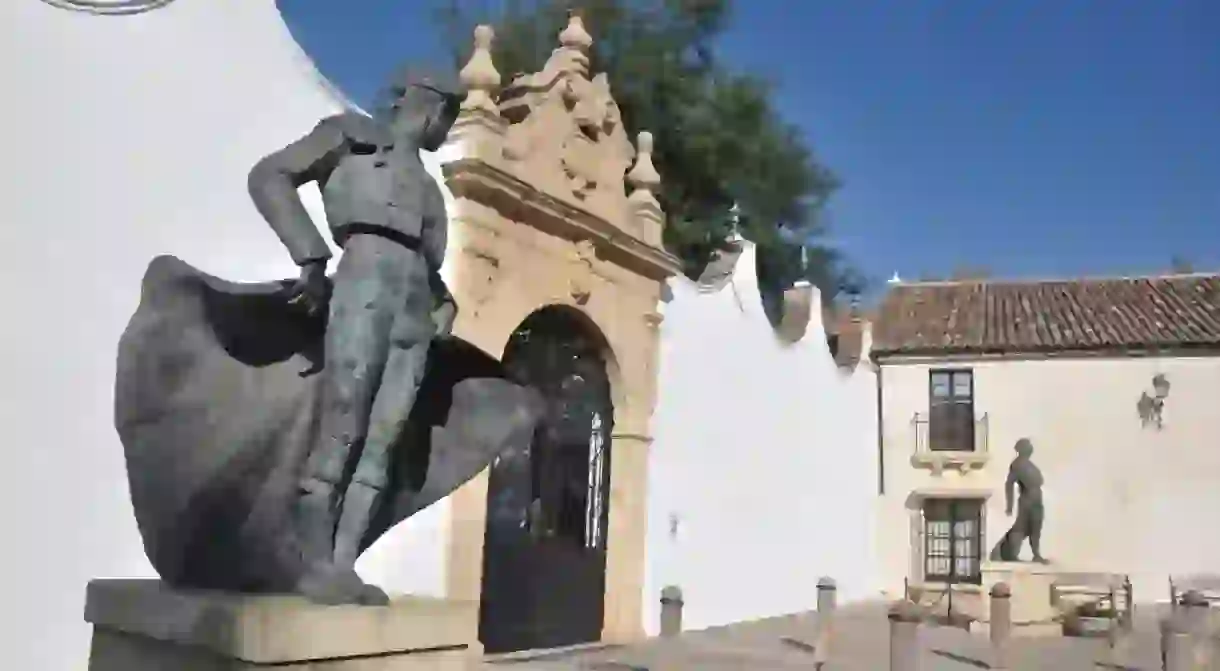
(1032, 137)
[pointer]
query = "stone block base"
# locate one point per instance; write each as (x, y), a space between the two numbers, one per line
(1032, 611)
(141, 625)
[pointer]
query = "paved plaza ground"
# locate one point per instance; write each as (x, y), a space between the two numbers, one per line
(861, 644)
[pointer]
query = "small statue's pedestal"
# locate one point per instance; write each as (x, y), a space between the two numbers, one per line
(142, 625)
(1032, 611)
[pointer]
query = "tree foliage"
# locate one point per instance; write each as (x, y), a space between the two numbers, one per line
(718, 140)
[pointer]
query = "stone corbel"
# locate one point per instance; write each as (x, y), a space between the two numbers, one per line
(939, 462)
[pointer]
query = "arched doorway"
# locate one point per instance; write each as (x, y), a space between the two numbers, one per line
(544, 558)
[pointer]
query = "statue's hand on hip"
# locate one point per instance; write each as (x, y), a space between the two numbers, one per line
(309, 291)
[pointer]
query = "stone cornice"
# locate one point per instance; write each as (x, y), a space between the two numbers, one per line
(482, 182)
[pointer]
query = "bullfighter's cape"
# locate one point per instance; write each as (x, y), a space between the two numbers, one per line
(216, 404)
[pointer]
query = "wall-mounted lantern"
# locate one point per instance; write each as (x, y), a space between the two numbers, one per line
(1151, 407)
(1160, 386)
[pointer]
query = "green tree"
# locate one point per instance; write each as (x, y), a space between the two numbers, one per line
(719, 142)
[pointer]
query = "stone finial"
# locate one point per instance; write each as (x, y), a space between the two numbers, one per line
(904, 636)
(643, 177)
(645, 181)
(480, 76)
(572, 56)
(574, 36)
(1178, 646)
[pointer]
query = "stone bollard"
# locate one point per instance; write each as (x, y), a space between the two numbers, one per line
(827, 591)
(1000, 627)
(904, 636)
(671, 611)
(1196, 614)
(1176, 653)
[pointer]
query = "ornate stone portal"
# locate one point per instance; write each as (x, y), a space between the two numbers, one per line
(556, 207)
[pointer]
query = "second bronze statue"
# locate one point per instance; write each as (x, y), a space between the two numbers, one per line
(1024, 475)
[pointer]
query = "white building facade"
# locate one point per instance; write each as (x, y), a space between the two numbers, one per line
(1112, 381)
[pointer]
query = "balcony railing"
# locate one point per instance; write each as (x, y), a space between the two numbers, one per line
(964, 450)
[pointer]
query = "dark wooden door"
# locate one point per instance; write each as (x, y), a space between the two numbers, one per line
(544, 556)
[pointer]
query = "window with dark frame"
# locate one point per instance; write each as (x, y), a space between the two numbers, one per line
(951, 410)
(953, 540)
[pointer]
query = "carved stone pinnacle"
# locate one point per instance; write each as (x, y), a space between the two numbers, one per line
(574, 36)
(480, 75)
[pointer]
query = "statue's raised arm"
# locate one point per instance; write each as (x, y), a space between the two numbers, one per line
(273, 184)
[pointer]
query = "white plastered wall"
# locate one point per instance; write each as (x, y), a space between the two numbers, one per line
(762, 472)
(128, 137)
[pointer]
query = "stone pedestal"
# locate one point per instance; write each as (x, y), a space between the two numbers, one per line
(1032, 611)
(142, 625)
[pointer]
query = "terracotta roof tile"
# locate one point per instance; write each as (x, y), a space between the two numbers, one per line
(1172, 311)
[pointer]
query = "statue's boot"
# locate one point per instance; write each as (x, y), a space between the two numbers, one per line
(322, 581)
(314, 520)
(326, 584)
(359, 504)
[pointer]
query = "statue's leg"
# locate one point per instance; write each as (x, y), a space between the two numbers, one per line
(367, 490)
(409, 343)
(410, 339)
(1018, 533)
(362, 311)
(1036, 515)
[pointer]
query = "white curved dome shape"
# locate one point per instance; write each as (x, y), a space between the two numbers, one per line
(126, 136)
(762, 473)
